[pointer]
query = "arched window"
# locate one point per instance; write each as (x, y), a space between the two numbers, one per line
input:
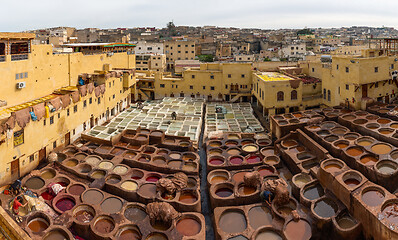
(280, 96)
(329, 95)
(293, 95)
(324, 93)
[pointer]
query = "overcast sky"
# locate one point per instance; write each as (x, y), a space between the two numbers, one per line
(19, 15)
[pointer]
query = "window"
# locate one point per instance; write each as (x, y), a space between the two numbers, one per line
(99, 100)
(85, 103)
(376, 85)
(193, 46)
(186, 51)
(193, 76)
(211, 76)
(51, 120)
(16, 76)
(226, 86)
(90, 101)
(176, 86)
(324, 93)
(329, 95)
(75, 108)
(293, 95)
(55, 144)
(204, 87)
(31, 158)
(193, 52)
(179, 51)
(26, 74)
(44, 122)
(392, 66)
(109, 84)
(162, 85)
(211, 88)
(179, 46)
(191, 87)
(243, 75)
(59, 115)
(280, 96)
(113, 96)
(229, 75)
(67, 112)
(376, 69)
(347, 87)
(347, 69)
(313, 69)
(337, 67)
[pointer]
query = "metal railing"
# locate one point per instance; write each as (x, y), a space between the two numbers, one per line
(18, 57)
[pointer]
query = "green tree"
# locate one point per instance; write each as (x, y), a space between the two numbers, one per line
(206, 58)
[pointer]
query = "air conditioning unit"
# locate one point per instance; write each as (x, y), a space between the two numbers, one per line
(21, 85)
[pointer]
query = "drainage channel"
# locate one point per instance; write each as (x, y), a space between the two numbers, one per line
(206, 208)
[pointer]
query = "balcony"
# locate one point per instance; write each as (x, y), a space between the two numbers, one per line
(19, 57)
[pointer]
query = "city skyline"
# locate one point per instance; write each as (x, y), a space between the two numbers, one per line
(251, 14)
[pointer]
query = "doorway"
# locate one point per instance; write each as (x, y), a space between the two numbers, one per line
(14, 170)
(364, 91)
(67, 139)
(42, 154)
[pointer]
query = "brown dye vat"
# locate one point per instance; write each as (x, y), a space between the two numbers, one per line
(246, 190)
(365, 141)
(137, 174)
(188, 157)
(297, 115)
(331, 138)
(233, 136)
(130, 234)
(383, 121)
(98, 174)
(117, 151)
(105, 165)
(134, 147)
(104, 225)
(144, 158)
(188, 227)
(354, 151)
(70, 162)
(93, 160)
(163, 152)
(381, 148)
(174, 164)
(285, 211)
(191, 183)
(368, 160)
(215, 144)
(372, 197)
(238, 177)
(339, 131)
(218, 178)
(346, 222)
(268, 151)
(300, 230)
(76, 189)
(390, 213)
(34, 183)
(373, 126)
(38, 225)
(233, 151)
(56, 235)
(351, 136)
(386, 167)
(147, 190)
(175, 156)
(341, 145)
(313, 192)
(349, 117)
(188, 198)
(298, 149)
(189, 167)
(386, 131)
(301, 179)
(289, 143)
(103, 149)
(84, 216)
(215, 152)
(333, 167)
(156, 236)
(394, 125)
(231, 143)
(268, 234)
(84, 168)
(272, 160)
(168, 196)
(135, 213)
(325, 208)
(162, 226)
(92, 196)
(142, 138)
(111, 205)
(232, 222)
(259, 216)
(351, 182)
(360, 121)
(48, 174)
(130, 155)
(314, 127)
(265, 171)
(224, 192)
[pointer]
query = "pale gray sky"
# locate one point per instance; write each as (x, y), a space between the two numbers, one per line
(21, 15)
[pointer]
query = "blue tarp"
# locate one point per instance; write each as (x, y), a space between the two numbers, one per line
(33, 115)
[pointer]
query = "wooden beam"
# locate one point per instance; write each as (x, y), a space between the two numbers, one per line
(385, 81)
(371, 85)
(356, 88)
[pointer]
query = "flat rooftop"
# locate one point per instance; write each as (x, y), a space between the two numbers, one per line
(274, 76)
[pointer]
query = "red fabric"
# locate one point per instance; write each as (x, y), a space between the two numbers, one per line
(16, 204)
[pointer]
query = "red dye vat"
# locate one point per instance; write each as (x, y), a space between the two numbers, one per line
(253, 159)
(266, 171)
(47, 196)
(216, 161)
(152, 179)
(236, 160)
(65, 204)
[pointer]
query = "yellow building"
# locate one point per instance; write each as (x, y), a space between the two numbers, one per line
(36, 81)
(179, 50)
(356, 81)
(276, 93)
